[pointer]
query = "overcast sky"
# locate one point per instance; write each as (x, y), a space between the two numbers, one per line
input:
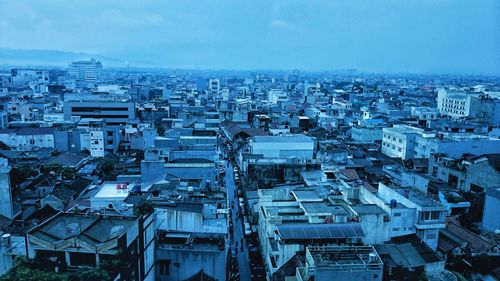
(445, 36)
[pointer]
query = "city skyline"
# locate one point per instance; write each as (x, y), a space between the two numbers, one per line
(448, 37)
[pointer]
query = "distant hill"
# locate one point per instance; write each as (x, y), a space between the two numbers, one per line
(36, 57)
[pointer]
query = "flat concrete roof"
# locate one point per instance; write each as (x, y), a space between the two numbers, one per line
(292, 138)
(111, 190)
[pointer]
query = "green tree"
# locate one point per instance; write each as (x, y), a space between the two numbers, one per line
(20, 174)
(90, 274)
(142, 208)
(27, 270)
(106, 168)
(52, 168)
(160, 129)
(68, 173)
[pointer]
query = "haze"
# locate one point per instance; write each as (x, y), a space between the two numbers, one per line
(425, 36)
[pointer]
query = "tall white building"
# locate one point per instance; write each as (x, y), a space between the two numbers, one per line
(6, 201)
(213, 87)
(97, 140)
(85, 71)
(399, 141)
(482, 106)
(457, 104)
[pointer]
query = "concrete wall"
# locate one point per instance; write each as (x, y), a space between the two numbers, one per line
(491, 222)
(6, 204)
(480, 174)
(171, 219)
(330, 274)
(184, 263)
(151, 170)
(303, 150)
(361, 134)
(375, 228)
(61, 140)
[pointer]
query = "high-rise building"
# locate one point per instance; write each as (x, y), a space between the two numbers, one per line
(85, 71)
(114, 112)
(7, 208)
(213, 87)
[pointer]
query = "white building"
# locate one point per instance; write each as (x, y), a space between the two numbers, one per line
(424, 113)
(295, 146)
(366, 134)
(409, 211)
(85, 71)
(311, 92)
(399, 141)
(96, 139)
(457, 104)
(275, 96)
(28, 139)
(213, 87)
(7, 208)
(10, 247)
(292, 218)
(36, 79)
(115, 113)
(453, 145)
(491, 210)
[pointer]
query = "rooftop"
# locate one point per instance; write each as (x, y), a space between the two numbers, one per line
(93, 229)
(343, 258)
(366, 209)
(306, 195)
(310, 231)
(417, 197)
(113, 190)
(316, 208)
(293, 138)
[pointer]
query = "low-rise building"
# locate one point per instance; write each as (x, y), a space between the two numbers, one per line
(296, 146)
(470, 173)
(73, 240)
(336, 263)
(399, 141)
(491, 210)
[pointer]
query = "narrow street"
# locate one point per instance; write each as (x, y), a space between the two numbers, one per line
(238, 232)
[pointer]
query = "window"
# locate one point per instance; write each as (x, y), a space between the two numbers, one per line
(395, 229)
(434, 215)
(164, 267)
(424, 216)
(397, 214)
